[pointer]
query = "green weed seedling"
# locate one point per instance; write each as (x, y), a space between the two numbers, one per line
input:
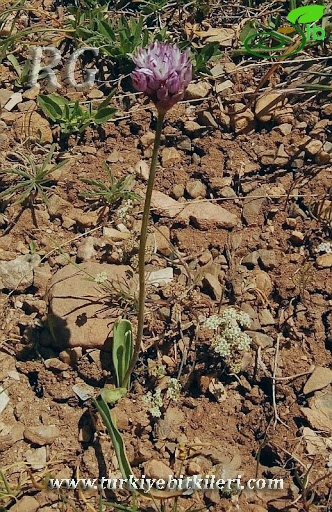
(107, 194)
(33, 179)
(22, 72)
(117, 40)
(202, 56)
(71, 116)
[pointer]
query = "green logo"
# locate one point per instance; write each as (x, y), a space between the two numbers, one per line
(287, 40)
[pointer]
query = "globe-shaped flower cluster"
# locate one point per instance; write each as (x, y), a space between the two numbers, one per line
(162, 73)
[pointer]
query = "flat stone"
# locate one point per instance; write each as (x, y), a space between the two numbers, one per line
(5, 96)
(212, 284)
(32, 93)
(197, 91)
(142, 169)
(319, 379)
(192, 128)
(41, 435)
(207, 215)
(319, 414)
(251, 260)
(227, 192)
(184, 143)
(267, 104)
(84, 391)
(313, 147)
(27, 106)
(164, 275)
(18, 274)
(79, 316)
(26, 504)
(324, 260)
(86, 249)
(113, 157)
(115, 235)
(284, 129)
(260, 339)
(162, 237)
(265, 318)
(195, 189)
(4, 399)
(207, 119)
(202, 215)
(36, 458)
(297, 237)
(252, 205)
(170, 156)
(165, 205)
(267, 258)
(32, 125)
(157, 469)
(15, 98)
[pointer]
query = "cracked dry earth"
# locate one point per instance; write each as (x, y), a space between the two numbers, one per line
(240, 217)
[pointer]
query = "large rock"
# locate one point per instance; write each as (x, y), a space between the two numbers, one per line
(80, 310)
(18, 274)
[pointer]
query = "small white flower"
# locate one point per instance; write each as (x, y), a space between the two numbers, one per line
(243, 319)
(174, 389)
(325, 247)
(158, 371)
(154, 403)
(213, 322)
(243, 342)
(101, 278)
(229, 315)
(221, 346)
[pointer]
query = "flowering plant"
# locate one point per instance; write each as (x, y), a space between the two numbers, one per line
(162, 73)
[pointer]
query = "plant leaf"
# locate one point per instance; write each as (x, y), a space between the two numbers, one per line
(50, 107)
(113, 395)
(119, 447)
(122, 349)
(104, 114)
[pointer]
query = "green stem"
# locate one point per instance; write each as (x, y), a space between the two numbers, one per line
(142, 246)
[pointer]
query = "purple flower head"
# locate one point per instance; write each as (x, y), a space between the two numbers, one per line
(162, 73)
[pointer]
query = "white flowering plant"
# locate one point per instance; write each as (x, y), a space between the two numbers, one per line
(155, 401)
(229, 340)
